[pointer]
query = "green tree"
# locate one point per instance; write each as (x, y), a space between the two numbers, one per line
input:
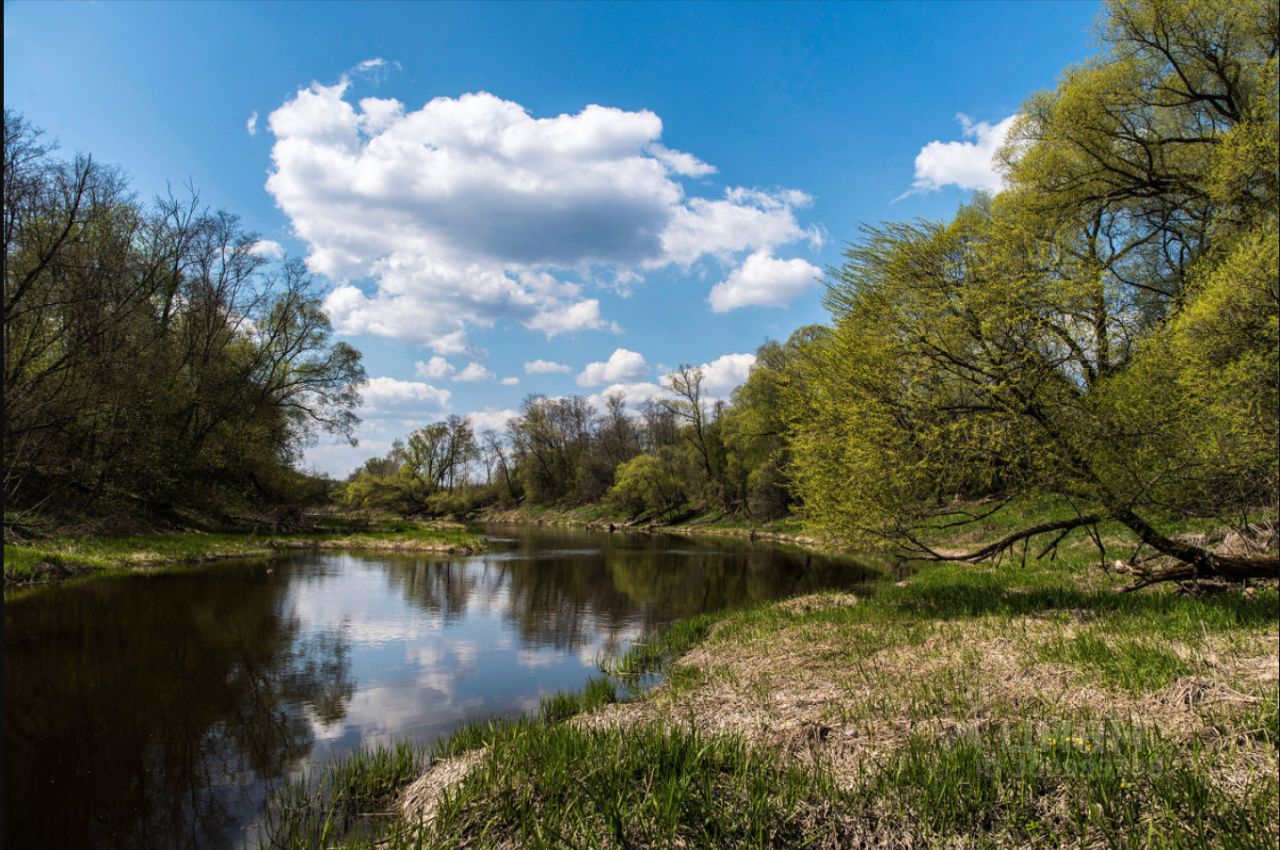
(152, 358)
(649, 484)
(756, 427)
(1104, 330)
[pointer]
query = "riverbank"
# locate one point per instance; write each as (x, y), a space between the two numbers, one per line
(58, 558)
(981, 706)
(598, 516)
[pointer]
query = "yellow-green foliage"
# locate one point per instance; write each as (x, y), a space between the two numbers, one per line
(647, 483)
(1105, 329)
(1213, 368)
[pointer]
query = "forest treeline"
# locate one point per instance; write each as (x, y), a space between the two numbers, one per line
(668, 458)
(154, 360)
(1103, 332)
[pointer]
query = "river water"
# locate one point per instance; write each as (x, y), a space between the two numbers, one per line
(158, 711)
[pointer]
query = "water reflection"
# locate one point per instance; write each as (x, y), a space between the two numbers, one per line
(158, 711)
(131, 710)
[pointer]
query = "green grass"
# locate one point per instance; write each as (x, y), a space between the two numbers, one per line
(1115, 785)
(655, 654)
(565, 704)
(544, 785)
(344, 801)
(549, 786)
(64, 557)
(1135, 665)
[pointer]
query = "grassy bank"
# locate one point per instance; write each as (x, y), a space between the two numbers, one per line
(385, 796)
(58, 558)
(601, 516)
(1005, 705)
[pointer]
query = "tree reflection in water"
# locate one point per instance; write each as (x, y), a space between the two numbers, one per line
(153, 712)
(157, 711)
(565, 595)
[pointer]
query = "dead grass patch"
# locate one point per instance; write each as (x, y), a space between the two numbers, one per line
(820, 704)
(419, 800)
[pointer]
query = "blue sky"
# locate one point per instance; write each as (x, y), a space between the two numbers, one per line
(491, 192)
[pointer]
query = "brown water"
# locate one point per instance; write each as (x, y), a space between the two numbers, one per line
(158, 711)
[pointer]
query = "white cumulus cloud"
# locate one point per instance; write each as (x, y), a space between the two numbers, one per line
(623, 365)
(966, 164)
(743, 219)
(469, 211)
(764, 280)
(268, 249)
(722, 375)
(536, 367)
(491, 420)
(384, 394)
(437, 367)
(474, 372)
(510, 382)
(579, 316)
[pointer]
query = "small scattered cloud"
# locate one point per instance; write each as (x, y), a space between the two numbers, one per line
(763, 280)
(510, 382)
(623, 365)
(579, 316)
(268, 249)
(539, 367)
(474, 372)
(965, 164)
(385, 394)
(437, 367)
(491, 420)
(679, 162)
(252, 124)
(722, 375)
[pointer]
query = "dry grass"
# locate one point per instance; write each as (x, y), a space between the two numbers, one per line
(804, 693)
(419, 801)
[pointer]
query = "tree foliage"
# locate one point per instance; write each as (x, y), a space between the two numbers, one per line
(1104, 330)
(418, 472)
(153, 359)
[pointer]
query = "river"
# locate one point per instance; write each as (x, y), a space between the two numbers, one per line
(157, 711)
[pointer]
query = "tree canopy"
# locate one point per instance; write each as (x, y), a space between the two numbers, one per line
(153, 358)
(1104, 330)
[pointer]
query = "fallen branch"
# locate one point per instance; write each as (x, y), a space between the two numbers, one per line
(1000, 546)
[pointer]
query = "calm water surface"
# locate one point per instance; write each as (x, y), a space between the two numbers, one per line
(158, 711)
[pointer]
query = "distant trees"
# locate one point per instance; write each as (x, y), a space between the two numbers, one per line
(152, 358)
(757, 427)
(665, 459)
(419, 470)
